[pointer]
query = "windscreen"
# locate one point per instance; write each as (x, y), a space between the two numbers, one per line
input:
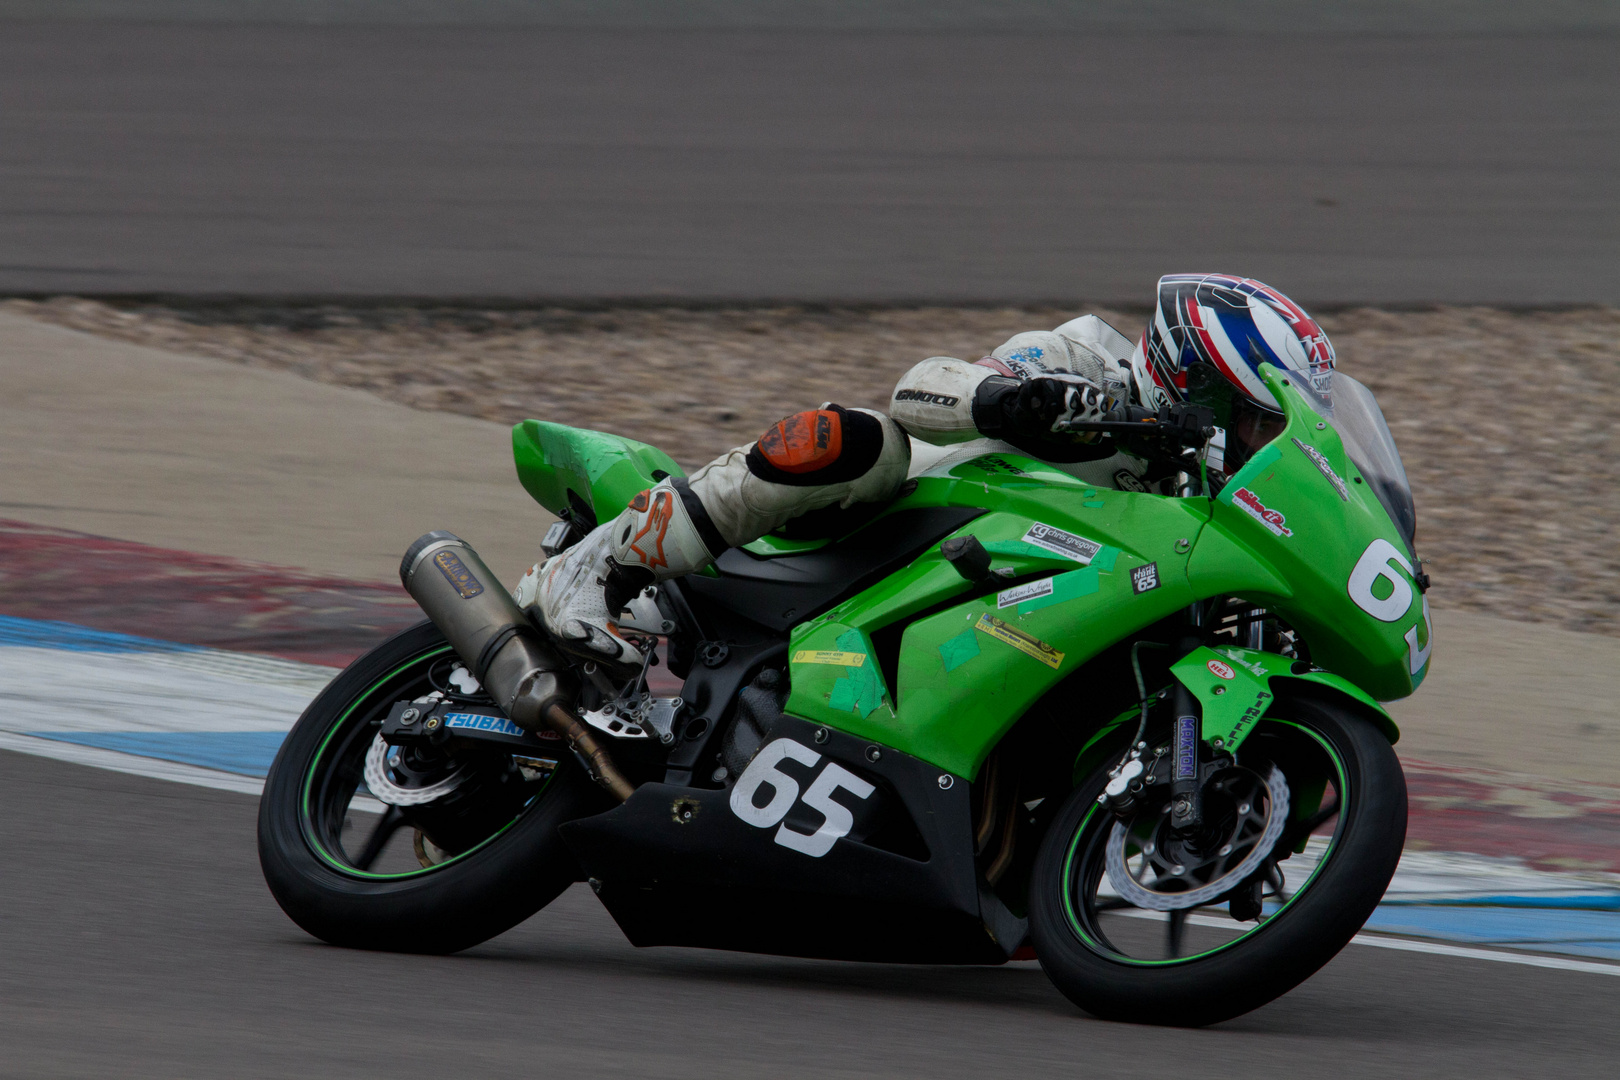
(1355, 415)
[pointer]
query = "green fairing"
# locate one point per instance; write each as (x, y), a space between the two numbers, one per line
(1065, 587)
(1241, 556)
(954, 704)
(968, 669)
(603, 471)
(951, 704)
(959, 650)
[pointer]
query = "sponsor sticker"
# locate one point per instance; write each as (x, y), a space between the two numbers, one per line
(1327, 470)
(1221, 670)
(1024, 643)
(1186, 748)
(1257, 670)
(1322, 383)
(925, 398)
(480, 722)
(1144, 578)
(1126, 480)
(656, 525)
(992, 463)
(829, 656)
(1250, 715)
(1062, 543)
(1019, 593)
(456, 573)
(1250, 504)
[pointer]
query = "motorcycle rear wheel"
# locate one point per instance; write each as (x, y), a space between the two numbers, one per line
(312, 820)
(1120, 962)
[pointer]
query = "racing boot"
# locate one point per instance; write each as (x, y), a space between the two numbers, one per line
(579, 593)
(807, 461)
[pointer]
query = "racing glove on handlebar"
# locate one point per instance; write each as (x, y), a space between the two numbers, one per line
(1038, 407)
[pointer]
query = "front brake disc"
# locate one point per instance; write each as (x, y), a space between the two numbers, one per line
(1134, 892)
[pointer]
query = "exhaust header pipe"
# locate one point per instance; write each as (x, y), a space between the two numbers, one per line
(500, 646)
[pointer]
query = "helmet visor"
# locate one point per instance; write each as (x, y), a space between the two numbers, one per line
(1248, 424)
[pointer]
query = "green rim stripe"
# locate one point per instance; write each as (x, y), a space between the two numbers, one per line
(1098, 947)
(309, 783)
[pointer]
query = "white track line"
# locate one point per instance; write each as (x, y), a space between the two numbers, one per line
(155, 768)
(1557, 963)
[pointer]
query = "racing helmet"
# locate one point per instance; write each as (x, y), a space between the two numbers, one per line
(1205, 343)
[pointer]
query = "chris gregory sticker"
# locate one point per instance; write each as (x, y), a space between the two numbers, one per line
(1063, 543)
(1250, 504)
(1024, 643)
(1327, 470)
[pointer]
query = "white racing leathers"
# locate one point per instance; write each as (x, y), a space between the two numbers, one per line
(806, 462)
(934, 400)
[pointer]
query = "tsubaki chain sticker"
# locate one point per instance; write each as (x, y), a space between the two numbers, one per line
(763, 772)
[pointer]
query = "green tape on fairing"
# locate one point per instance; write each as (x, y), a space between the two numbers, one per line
(1070, 586)
(1103, 560)
(1018, 547)
(859, 691)
(1094, 505)
(959, 649)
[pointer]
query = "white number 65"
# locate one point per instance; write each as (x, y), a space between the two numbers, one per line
(763, 771)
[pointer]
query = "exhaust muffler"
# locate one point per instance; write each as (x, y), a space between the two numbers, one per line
(501, 647)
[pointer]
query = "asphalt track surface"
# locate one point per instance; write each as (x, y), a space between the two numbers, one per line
(138, 940)
(757, 162)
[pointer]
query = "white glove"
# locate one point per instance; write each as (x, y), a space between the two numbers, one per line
(1053, 402)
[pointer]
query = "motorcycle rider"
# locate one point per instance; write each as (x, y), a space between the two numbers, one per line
(1204, 344)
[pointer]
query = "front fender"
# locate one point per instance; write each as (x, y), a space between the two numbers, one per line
(1235, 688)
(1231, 706)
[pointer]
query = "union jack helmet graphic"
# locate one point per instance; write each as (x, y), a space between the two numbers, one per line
(1231, 325)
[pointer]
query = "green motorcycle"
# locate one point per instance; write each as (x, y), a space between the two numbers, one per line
(1135, 736)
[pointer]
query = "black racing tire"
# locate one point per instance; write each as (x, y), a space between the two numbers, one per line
(1284, 950)
(441, 909)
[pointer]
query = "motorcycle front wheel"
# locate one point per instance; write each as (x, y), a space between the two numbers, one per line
(1135, 921)
(465, 845)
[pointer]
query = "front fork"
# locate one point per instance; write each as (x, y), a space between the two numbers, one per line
(1186, 796)
(1186, 807)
